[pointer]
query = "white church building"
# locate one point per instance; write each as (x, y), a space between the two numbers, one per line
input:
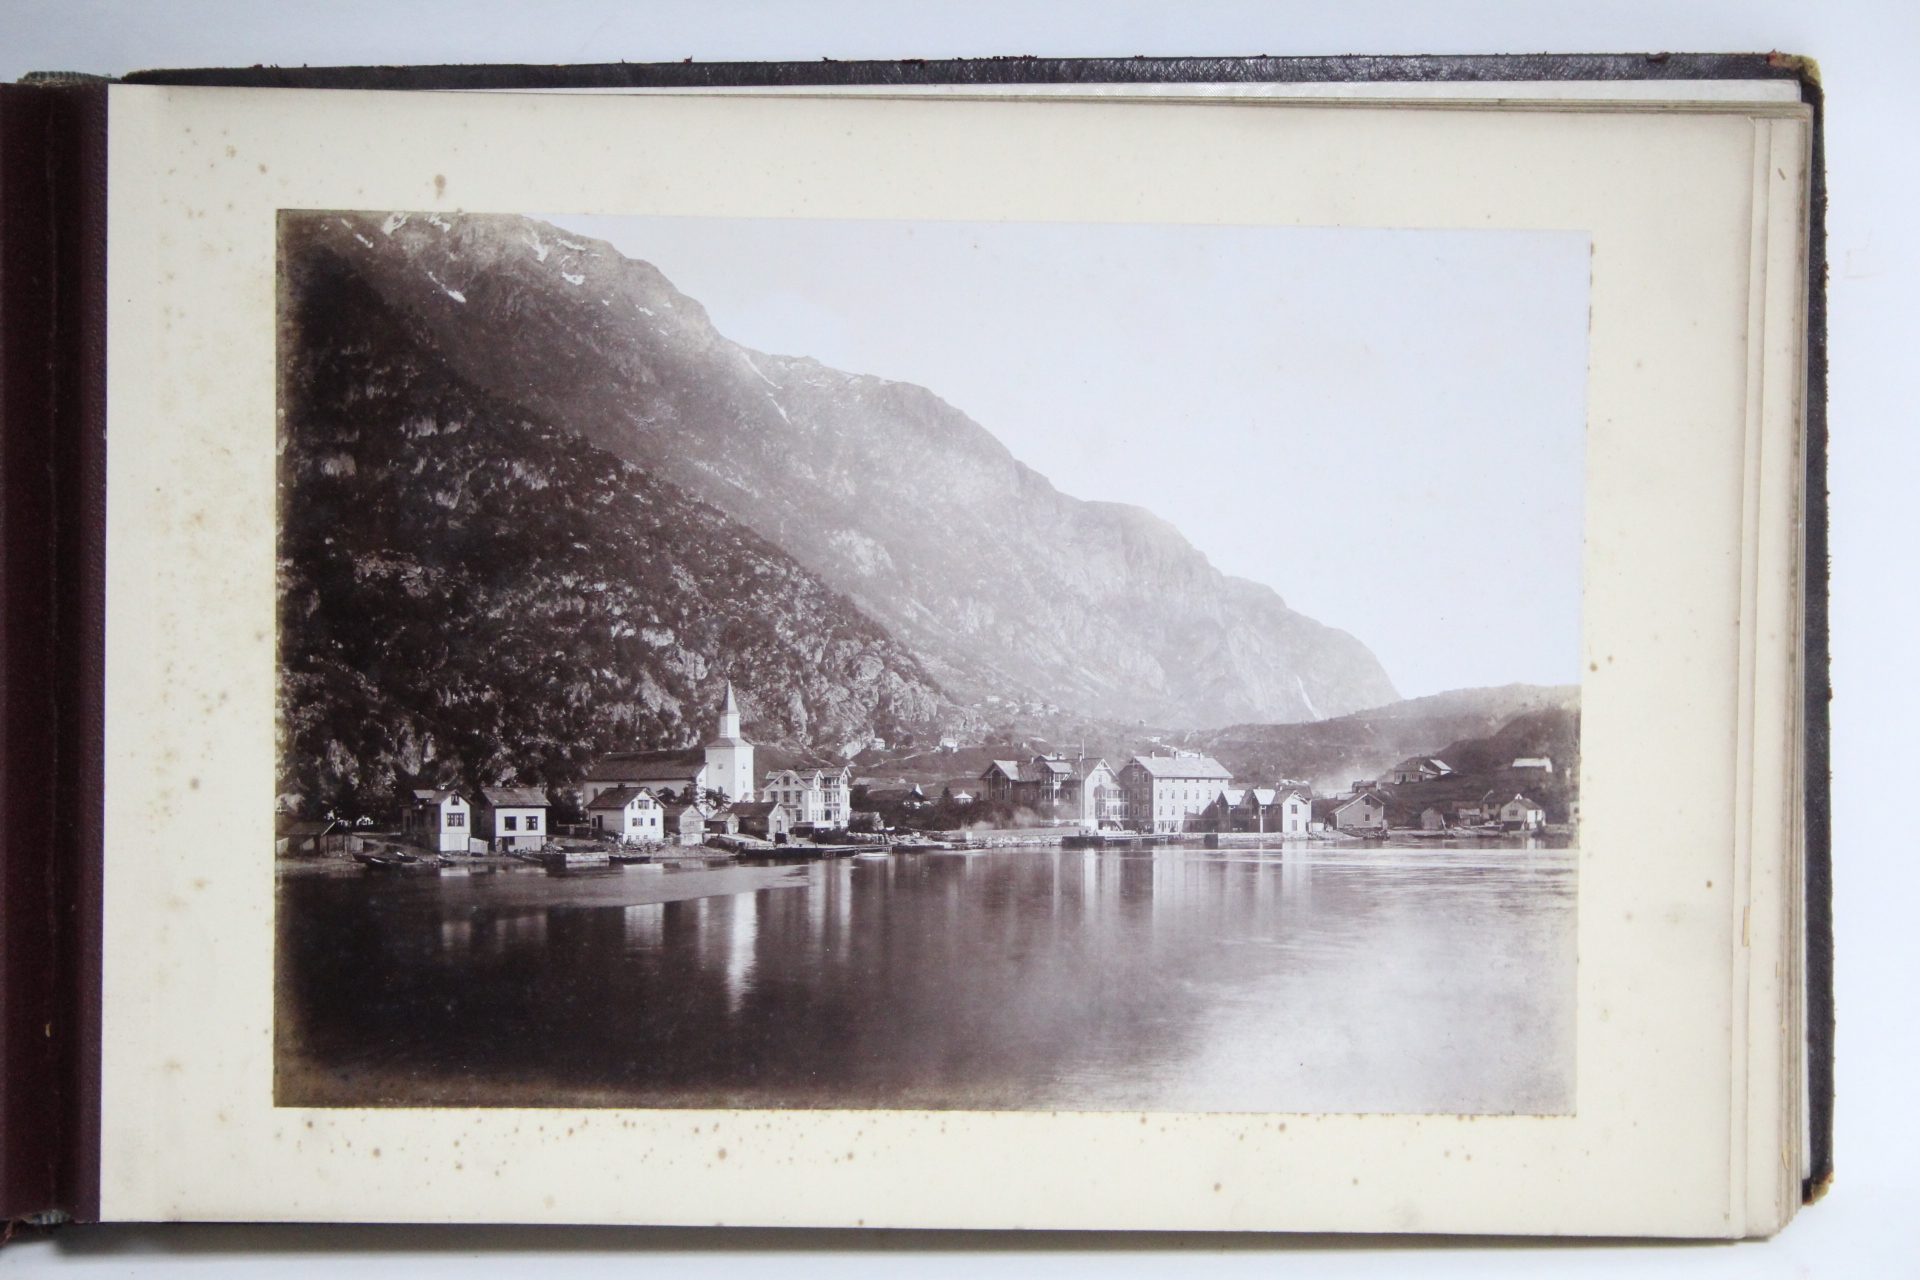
(724, 764)
(729, 757)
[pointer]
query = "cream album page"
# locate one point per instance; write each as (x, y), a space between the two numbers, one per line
(1132, 660)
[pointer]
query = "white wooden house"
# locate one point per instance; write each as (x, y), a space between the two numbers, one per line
(511, 818)
(438, 821)
(628, 814)
(1291, 813)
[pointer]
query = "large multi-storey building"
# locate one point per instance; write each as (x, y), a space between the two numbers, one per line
(1169, 793)
(816, 794)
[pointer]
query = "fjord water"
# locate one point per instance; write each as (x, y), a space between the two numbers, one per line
(1437, 979)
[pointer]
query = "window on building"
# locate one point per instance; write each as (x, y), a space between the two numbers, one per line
(456, 819)
(510, 824)
(533, 822)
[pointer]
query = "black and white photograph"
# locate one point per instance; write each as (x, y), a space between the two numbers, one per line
(768, 663)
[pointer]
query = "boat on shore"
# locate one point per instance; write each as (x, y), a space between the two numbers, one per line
(1111, 840)
(392, 861)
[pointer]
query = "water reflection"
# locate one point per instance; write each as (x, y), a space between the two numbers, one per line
(1294, 979)
(645, 925)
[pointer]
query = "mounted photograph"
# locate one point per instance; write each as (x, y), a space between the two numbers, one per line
(766, 663)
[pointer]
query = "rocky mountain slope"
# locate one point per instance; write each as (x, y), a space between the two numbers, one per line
(999, 583)
(471, 595)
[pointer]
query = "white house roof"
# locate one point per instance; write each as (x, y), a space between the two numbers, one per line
(803, 772)
(1203, 767)
(514, 797)
(427, 796)
(620, 797)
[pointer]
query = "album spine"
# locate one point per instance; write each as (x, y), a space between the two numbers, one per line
(1816, 658)
(52, 509)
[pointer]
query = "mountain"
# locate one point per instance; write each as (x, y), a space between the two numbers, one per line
(998, 582)
(1333, 753)
(472, 595)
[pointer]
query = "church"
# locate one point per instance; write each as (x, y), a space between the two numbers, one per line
(724, 764)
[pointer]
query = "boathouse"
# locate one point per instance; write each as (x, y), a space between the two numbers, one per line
(1364, 812)
(1522, 814)
(684, 823)
(294, 838)
(764, 820)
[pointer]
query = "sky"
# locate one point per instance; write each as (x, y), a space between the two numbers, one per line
(1385, 426)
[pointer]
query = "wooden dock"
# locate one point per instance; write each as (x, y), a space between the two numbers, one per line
(570, 859)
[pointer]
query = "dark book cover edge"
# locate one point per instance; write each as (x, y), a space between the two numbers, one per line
(52, 522)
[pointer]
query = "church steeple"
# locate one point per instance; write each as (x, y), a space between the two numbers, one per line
(730, 756)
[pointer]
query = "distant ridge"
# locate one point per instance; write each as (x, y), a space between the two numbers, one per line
(1333, 753)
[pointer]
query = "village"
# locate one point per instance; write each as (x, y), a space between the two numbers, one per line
(643, 806)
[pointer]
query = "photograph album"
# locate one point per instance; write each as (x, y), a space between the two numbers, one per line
(1219, 645)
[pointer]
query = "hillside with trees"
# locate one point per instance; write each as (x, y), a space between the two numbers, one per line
(1331, 754)
(1484, 766)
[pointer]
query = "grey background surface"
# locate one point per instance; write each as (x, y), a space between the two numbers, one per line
(1868, 1225)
